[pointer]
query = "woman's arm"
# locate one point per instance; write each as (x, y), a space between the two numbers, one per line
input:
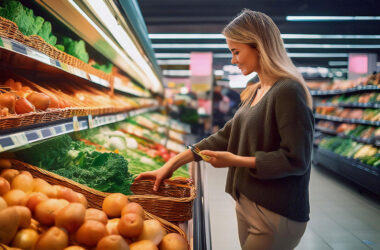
(222, 159)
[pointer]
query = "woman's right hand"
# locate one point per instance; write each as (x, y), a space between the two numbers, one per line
(158, 175)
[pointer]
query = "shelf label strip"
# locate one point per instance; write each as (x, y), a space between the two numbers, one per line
(75, 123)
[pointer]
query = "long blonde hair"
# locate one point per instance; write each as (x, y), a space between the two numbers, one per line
(259, 30)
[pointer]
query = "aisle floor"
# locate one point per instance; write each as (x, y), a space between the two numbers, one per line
(341, 216)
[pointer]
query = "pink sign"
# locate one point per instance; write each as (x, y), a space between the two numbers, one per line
(201, 63)
(358, 64)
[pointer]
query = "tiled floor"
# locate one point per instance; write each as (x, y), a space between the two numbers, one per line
(341, 217)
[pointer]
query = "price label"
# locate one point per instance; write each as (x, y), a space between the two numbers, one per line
(95, 79)
(38, 56)
(80, 73)
(90, 121)
(7, 43)
(19, 139)
(104, 83)
(75, 123)
(118, 83)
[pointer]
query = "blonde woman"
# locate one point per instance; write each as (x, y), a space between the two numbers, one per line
(267, 144)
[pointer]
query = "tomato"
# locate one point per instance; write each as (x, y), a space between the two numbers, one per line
(166, 157)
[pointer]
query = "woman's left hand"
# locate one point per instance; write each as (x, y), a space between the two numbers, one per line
(220, 159)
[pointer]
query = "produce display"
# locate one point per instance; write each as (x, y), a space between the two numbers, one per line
(367, 154)
(373, 79)
(37, 215)
(368, 98)
(347, 113)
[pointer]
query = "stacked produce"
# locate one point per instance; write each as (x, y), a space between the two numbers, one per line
(368, 98)
(103, 171)
(37, 215)
(373, 79)
(367, 154)
(346, 113)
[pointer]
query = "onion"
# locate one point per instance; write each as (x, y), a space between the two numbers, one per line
(112, 226)
(96, 214)
(46, 211)
(39, 100)
(173, 241)
(143, 245)
(23, 106)
(114, 203)
(91, 232)
(4, 186)
(153, 231)
(53, 239)
(112, 242)
(25, 239)
(133, 207)
(130, 225)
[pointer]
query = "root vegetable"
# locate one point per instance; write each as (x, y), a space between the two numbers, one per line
(4, 186)
(25, 239)
(91, 232)
(53, 239)
(70, 217)
(114, 203)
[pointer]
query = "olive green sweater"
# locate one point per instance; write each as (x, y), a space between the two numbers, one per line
(278, 131)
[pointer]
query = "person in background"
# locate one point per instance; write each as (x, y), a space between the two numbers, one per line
(267, 145)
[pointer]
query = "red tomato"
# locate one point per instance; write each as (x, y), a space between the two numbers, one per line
(166, 157)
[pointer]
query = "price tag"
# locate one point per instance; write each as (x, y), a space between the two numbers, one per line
(19, 139)
(38, 56)
(75, 123)
(7, 43)
(80, 73)
(20, 48)
(104, 83)
(90, 121)
(95, 79)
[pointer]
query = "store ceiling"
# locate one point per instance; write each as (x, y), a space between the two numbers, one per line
(209, 17)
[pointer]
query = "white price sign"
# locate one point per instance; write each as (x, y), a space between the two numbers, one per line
(38, 56)
(19, 139)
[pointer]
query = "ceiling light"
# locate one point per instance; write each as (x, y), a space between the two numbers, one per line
(313, 55)
(332, 18)
(228, 55)
(186, 36)
(332, 46)
(190, 46)
(172, 55)
(176, 72)
(173, 62)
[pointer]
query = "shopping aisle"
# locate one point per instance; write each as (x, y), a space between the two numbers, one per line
(341, 218)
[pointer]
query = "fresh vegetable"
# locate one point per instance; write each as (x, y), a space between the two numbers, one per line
(39, 100)
(114, 203)
(75, 48)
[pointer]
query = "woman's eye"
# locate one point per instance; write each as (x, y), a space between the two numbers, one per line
(236, 53)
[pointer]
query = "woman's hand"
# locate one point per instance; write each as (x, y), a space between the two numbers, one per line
(158, 175)
(220, 159)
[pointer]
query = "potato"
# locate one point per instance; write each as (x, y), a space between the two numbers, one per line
(74, 248)
(130, 225)
(9, 174)
(3, 203)
(91, 232)
(153, 231)
(133, 207)
(53, 239)
(15, 197)
(23, 182)
(114, 203)
(25, 239)
(143, 245)
(67, 194)
(25, 216)
(96, 214)
(9, 222)
(173, 241)
(34, 199)
(112, 242)
(4, 186)
(46, 211)
(70, 217)
(38, 183)
(83, 200)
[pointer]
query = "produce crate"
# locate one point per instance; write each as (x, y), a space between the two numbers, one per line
(173, 201)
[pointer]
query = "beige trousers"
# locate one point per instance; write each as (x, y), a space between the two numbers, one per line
(261, 229)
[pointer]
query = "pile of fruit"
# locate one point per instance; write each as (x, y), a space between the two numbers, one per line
(37, 215)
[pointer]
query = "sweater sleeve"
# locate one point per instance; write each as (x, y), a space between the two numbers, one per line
(295, 124)
(217, 141)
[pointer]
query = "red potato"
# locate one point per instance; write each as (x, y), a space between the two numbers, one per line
(34, 199)
(70, 217)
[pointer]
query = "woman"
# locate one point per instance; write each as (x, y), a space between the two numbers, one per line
(267, 144)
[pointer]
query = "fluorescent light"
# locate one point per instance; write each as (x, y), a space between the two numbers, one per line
(103, 12)
(332, 18)
(338, 63)
(173, 62)
(333, 46)
(190, 46)
(172, 55)
(176, 72)
(284, 36)
(186, 36)
(222, 55)
(316, 55)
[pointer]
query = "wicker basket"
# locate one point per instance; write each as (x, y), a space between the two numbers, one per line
(172, 202)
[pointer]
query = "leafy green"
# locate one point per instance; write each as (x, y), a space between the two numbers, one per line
(76, 48)
(107, 172)
(106, 68)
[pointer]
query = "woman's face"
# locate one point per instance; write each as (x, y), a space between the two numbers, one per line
(244, 56)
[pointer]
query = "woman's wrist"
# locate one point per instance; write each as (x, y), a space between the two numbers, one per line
(245, 161)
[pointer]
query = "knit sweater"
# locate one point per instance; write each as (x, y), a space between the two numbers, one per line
(278, 131)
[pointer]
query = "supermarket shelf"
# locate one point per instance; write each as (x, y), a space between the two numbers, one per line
(343, 91)
(19, 139)
(346, 120)
(20, 56)
(349, 105)
(372, 141)
(364, 175)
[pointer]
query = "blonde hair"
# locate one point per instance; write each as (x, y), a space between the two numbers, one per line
(259, 31)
